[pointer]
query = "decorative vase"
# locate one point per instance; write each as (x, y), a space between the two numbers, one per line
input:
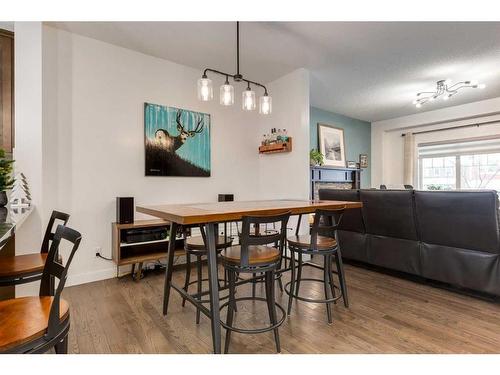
(3, 198)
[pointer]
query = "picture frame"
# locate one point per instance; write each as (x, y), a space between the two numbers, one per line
(363, 160)
(177, 142)
(331, 144)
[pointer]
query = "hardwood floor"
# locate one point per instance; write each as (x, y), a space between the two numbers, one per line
(386, 315)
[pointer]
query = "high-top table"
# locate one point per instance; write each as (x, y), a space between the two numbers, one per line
(210, 215)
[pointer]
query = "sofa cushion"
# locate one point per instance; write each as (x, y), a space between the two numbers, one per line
(352, 219)
(459, 219)
(389, 213)
(470, 269)
(394, 253)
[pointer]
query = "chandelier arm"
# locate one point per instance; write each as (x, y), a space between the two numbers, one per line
(233, 76)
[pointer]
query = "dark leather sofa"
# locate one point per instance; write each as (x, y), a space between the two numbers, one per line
(451, 236)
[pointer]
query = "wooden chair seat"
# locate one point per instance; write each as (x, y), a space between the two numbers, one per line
(26, 319)
(20, 265)
(196, 243)
(257, 255)
(304, 242)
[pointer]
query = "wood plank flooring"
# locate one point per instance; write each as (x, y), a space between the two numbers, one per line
(386, 315)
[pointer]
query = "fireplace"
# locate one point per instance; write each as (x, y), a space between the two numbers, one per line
(334, 178)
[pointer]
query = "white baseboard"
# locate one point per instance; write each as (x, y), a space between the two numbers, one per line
(89, 277)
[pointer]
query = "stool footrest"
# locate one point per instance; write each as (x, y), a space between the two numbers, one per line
(257, 330)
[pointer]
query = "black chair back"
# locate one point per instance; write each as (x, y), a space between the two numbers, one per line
(383, 187)
(252, 239)
(49, 235)
(408, 187)
(325, 224)
(55, 269)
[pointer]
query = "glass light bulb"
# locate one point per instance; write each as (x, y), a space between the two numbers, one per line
(226, 94)
(431, 99)
(205, 89)
(446, 97)
(481, 86)
(248, 100)
(418, 105)
(266, 105)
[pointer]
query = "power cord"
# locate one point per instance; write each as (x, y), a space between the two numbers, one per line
(100, 256)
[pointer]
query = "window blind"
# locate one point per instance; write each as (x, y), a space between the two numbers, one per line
(462, 147)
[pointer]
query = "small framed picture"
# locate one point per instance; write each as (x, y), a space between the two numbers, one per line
(351, 164)
(363, 160)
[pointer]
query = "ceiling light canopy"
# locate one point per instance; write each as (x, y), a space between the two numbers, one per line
(249, 103)
(445, 90)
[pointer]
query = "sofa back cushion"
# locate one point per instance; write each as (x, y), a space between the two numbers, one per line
(389, 213)
(460, 219)
(352, 219)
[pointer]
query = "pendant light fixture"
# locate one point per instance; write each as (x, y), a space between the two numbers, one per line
(249, 103)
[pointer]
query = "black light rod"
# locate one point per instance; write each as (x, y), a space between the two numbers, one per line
(237, 47)
(233, 76)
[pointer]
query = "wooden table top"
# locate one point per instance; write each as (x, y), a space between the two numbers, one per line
(201, 213)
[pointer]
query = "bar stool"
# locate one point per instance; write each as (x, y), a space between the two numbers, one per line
(36, 324)
(21, 269)
(323, 242)
(196, 246)
(252, 256)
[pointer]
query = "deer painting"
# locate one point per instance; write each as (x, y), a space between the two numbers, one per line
(176, 148)
(170, 143)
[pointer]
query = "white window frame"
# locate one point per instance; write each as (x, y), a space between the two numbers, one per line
(457, 155)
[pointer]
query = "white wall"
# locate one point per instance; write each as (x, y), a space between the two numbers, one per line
(28, 128)
(387, 143)
(93, 138)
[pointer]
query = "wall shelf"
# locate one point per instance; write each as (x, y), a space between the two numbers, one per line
(276, 147)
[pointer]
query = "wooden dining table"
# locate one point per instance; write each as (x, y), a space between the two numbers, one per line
(208, 216)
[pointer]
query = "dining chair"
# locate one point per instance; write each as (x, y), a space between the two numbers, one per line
(195, 246)
(256, 253)
(21, 269)
(37, 324)
(322, 241)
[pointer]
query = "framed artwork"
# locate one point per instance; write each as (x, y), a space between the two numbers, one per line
(363, 160)
(177, 141)
(332, 145)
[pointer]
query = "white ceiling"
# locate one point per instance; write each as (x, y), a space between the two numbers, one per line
(366, 70)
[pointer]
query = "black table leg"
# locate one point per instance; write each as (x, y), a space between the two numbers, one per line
(213, 287)
(170, 266)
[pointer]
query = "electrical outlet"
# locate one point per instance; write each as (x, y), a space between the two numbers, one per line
(98, 250)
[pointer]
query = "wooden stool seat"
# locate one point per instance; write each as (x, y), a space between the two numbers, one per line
(257, 255)
(304, 242)
(26, 319)
(196, 243)
(20, 265)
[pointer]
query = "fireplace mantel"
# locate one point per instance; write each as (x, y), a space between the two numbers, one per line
(336, 178)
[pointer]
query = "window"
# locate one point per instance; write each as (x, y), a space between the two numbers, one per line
(466, 164)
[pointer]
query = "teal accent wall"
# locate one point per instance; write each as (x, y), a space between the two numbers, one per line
(357, 136)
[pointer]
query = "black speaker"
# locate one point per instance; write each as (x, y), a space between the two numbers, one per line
(226, 197)
(125, 210)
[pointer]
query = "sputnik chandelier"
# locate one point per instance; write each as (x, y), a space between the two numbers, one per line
(446, 90)
(206, 92)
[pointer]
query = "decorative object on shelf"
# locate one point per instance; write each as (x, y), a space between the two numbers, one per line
(446, 90)
(351, 164)
(276, 141)
(6, 180)
(249, 103)
(185, 154)
(20, 194)
(363, 160)
(315, 157)
(332, 145)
